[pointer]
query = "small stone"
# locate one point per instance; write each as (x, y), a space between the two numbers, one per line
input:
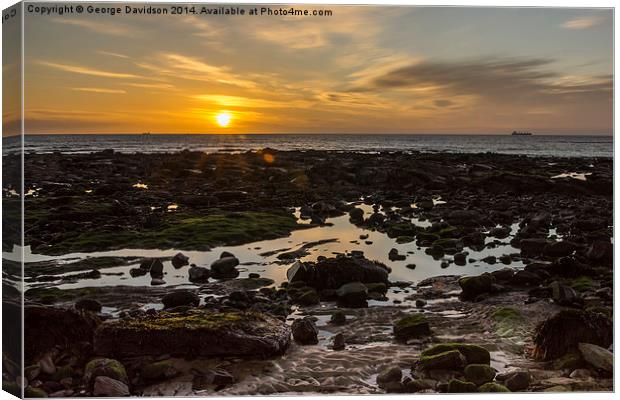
(338, 317)
(518, 381)
(338, 342)
(179, 260)
(47, 365)
(391, 374)
(479, 373)
(107, 387)
(492, 387)
(458, 386)
(597, 356)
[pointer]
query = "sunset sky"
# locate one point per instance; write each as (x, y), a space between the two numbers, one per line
(362, 70)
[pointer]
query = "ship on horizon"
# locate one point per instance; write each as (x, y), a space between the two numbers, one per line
(515, 133)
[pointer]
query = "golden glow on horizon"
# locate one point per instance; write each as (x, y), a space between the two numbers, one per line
(223, 119)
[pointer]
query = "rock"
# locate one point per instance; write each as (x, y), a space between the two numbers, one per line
(563, 295)
(473, 286)
(489, 260)
(600, 251)
(307, 296)
(179, 260)
(410, 266)
(160, 370)
(356, 215)
(253, 275)
(32, 392)
(492, 387)
(88, 305)
(157, 282)
(559, 249)
(394, 256)
(224, 268)
(411, 326)
(518, 381)
(501, 232)
(451, 359)
(50, 327)
(46, 363)
(417, 385)
(460, 259)
(526, 278)
(332, 273)
(180, 298)
(597, 356)
(479, 373)
(338, 342)
(532, 247)
(155, 268)
(198, 274)
(222, 378)
(570, 361)
(107, 387)
(304, 331)
(62, 373)
(389, 375)
(563, 331)
(338, 317)
(457, 386)
(581, 373)
(353, 295)
(104, 367)
(473, 354)
(136, 272)
(196, 332)
(419, 303)
(504, 274)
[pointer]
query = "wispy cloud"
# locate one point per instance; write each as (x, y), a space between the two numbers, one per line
(583, 22)
(239, 101)
(112, 54)
(87, 71)
(182, 66)
(99, 90)
(105, 28)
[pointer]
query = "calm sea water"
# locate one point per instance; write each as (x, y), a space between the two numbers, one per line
(566, 146)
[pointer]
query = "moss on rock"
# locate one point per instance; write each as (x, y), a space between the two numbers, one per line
(474, 354)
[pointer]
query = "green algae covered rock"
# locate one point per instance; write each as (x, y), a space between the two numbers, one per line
(411, 326)
(451, 359)
(474, 354)
(105, 367)
(479, 373)
(196, 332)
(457, 386)
(492, 387)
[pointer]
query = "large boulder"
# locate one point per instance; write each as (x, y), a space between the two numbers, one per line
(195, 333)
(410, 327)
(559, 249)
(597, 356)
(50, 327)
(563, 332)
(332, 273)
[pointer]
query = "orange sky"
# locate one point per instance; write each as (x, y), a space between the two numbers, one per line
(364, 69)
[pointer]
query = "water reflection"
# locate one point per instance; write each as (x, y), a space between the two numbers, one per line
(261, 257)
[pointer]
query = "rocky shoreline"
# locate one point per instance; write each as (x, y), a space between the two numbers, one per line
(540, 322)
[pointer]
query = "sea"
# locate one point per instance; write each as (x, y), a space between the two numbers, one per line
(535, 145)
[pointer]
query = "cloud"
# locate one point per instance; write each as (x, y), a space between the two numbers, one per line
(496, 80)
(99, 90)
(583, 22)
(104, 28)
(239, 101)
(443, 103)
(181, 66)
(87, 71)
(109, 53)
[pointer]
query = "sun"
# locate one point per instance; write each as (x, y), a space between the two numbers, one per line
(223, 119)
